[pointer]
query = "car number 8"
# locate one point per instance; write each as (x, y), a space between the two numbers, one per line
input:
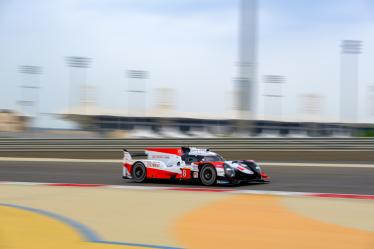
(184, 172)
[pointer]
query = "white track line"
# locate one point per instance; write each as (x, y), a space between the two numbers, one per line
(32, 159)
(334, 165)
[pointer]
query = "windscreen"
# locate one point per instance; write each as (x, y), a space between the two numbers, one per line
(216, 158)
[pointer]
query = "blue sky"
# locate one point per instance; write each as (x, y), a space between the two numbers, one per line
(185, 44)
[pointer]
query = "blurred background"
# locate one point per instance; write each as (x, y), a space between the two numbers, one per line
(186, 68)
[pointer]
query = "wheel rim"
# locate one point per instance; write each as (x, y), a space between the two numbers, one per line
(139, 172)
(208, 176)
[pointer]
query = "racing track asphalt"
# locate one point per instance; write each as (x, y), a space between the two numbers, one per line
(284, 178)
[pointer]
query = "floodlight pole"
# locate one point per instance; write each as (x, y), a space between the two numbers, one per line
(131, 89)
(273, 80)
(247, 66)
(28, 86)
(349, 80)
(76, 62)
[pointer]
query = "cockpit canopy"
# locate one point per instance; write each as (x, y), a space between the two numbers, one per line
(191, 155)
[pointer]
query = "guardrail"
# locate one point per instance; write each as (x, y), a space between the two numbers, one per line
(219, 144)
(269, 149)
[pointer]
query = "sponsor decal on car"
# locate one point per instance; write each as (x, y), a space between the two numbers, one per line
(222, 182)
(159, 156)
(154, 164)
(220, 171)
(194, 167)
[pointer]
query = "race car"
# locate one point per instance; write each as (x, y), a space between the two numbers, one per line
(189, 163)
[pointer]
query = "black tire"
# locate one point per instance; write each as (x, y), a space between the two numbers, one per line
(139, 172)
(208, 175)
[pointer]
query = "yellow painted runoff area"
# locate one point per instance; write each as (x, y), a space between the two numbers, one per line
(121, 215)
(36, 217)
(21, 229)
(246, 221)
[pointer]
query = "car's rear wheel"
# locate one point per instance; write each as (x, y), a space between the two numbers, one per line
(208, 175)
(139, 172)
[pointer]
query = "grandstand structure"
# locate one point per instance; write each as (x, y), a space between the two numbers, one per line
(161, 123)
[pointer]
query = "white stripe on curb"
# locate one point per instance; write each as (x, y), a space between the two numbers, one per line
(206, 190)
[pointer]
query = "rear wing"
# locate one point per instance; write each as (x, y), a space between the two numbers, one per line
(127, 156)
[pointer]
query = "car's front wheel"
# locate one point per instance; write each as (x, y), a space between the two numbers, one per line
(208, 175)
(139, 172)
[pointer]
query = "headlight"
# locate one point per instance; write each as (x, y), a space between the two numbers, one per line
(258, 168)
(229, 171)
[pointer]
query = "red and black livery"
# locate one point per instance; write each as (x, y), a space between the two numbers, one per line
(189, 163)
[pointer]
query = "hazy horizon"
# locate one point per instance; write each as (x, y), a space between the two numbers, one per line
(188, 45)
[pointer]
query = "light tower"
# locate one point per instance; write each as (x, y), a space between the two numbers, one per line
(78, 67)
(247, 59)
(29, 89)
(273, 96)
(137, 91)
(349, 80)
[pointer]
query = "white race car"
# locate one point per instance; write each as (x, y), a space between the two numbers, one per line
(187, 163)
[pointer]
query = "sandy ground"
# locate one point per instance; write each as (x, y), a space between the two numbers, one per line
(181, 219)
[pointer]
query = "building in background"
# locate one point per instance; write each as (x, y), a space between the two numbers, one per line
(11, 121)
(164, 115)
(311, 107)
(247, 65)
(243, 121)
(165, 99)
(349, 72)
